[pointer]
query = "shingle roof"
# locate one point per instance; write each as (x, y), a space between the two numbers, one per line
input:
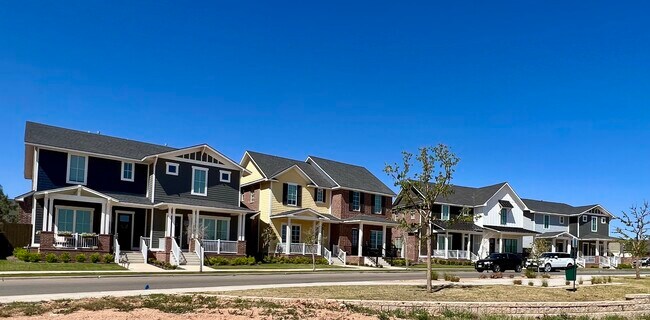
(205, 203)
(294, 211)
(350, 176)
(129, 198)
(466, 196)
(42, 134)
(370, 219)
(555, 207)
(510, 229)
(457, 226)
(271, 165)
(553, 234)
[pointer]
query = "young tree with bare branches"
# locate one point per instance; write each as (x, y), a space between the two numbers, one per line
(422, 188)
(636, 233)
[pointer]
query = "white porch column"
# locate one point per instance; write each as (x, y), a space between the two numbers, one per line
(109, 217)
(568, 246)
(102, 219)
(239, 228)
(46, 218)
(168, 222)
(243, 226)
(446, 245)
(360, 241)
(605, 248)
(151, 228)
(287, 240)
(199, 227)
(469, 246)
(500, 243)
(320, 233)
(597, 249)
(50, 215)
(553, 245)
(383, 241)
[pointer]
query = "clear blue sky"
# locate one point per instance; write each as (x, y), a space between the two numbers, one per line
(552, 98)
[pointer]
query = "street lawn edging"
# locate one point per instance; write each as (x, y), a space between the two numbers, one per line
(16, 265)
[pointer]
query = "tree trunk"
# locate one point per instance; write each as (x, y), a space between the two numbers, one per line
(406, 256)
(637, 268)
(313, 262)
(429, 252)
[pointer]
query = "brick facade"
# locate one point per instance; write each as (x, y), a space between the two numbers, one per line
(25, 210)
(341, 206)
(47, 246)
(247, 191)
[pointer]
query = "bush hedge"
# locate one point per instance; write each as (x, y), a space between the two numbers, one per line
(293, 260)
(162, 264)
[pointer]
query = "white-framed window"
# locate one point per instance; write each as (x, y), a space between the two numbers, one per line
(224, 175)
(295, 233)
(603, 220)
(594, 224)
(585, 218)
(77, 169)
(547, 221)
(561, 220)
(292, 194)
(504, 216)
(172, 169)
(75, 220)
(356, 201)
(128, 171)
(243, 197)
(319, 195)
(199, 181)
(441, 242)
(444, 214)
(215, 228)
(252, 197)
(412, 215)
(376, 209)
(376, 239)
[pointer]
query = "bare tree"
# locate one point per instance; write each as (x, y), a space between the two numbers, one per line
(636, 226)
(420, 190)
(311, 240)
(268, 237)
(539, 246)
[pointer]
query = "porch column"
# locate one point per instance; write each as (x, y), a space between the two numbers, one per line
(199, 227)
(243, 227)
(151, 229)
(383, 241)
(109, 216)
(568, 246)
(605, 248)
(446, 245)
(597, 249)
(168, 222)
(320, 233)
(239, 227)
(287, 239)
(469, 246)
(50, 216)
(360, 241)
(553, 245)
(501, 243)
(46, 217)
(102, 219)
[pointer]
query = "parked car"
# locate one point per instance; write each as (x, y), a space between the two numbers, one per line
(498, 262)
(645, 262)
(550, 261)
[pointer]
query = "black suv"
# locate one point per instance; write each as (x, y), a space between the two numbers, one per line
(498, 262)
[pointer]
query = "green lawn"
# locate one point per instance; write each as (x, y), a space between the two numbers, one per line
(280, 266)
(7, 265)
(440, 266)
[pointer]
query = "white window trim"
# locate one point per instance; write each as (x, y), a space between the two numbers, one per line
(374, 205)
(503, 212)
(284, 229)
(227, 219)
(442, 212)
(594, 224)
(378, 233)
(67, 174)
(74, 217)
(322, 195)
(221, 172)
(603, 220)
(132, 171)
(252, 197)
(171, 164)
(562, 221)
(352, 200)
(194, 169)
(295, 185)
(546, 216)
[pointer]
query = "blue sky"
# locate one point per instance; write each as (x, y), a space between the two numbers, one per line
(550, 97)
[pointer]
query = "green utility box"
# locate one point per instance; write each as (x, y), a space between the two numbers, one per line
(570, 273)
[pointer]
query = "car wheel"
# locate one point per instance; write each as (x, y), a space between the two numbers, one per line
(480, 270)
(548, 268)
(517, 268)
(496, 268)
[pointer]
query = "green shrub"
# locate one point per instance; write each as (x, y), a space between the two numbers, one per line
(609, 279)
(566, 283)
(51, 258)
(530, 283)
(95, 257)
(530, 274)
(398, 262)
(546, 276)
(597, 280)
(434, 275)
(451, 277)
(21, 254)
(81, 257)
(624, 266)
(108, 258)
(34, 257)
(544, 283)
(516, 282)
(162, 264)
(64, 257)
(218, 261)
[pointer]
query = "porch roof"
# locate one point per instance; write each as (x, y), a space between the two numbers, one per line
(595, 237)
(296, 214)
(557, 234)
(130, 198)
(457, 226)
(207, 205)
(512, 230)
(371, 220)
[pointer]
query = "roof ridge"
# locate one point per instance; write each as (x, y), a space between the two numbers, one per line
(336, 161)
(274, 156)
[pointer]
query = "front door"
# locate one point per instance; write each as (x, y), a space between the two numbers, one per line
(355, 242)
(125, 230)
(178, 231)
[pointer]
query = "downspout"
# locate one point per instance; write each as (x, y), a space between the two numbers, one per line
(153, 181)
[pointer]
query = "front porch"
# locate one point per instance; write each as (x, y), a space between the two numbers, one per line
(594, 251)
(458, 241)
(303, 232)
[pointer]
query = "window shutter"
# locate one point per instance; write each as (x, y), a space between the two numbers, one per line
(350, 194)
(299, 191)
(285, 188)
(324, 196)
(363, 203)
(372, 203)
(316, 195)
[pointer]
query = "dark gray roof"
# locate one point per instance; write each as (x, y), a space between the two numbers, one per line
(41, 134)
(596, 237)
(555, 207)
(505, 204)
(129, 198)
(370, 219)
(510, 229)
(465, 196)
(457, 226)
(291, 212)
(350, 176)
(205, 203)
(272, 165)
(552, 234)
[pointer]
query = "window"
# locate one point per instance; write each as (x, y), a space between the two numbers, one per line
(127, 171)
(444, 215)
(547, 221)
(199, 181)
(74, 220)
(412, 215)
(292, 195)
(377, 207)
(584, 218)
(594, 224)
(441, 242)
(376, 239)
(77, 169)
(356, 201)
(252, 198)
(510, 245)
(504, 216)
(355, 238)
(295, 233)
(319, 195)
(603, 220)
(172, 169)
(561, 220)
(224, 176)
(215, 228)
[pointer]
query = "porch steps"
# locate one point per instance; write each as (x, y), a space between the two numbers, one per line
(337, 262)
(383, 262)
(134, 256)
(192, 259)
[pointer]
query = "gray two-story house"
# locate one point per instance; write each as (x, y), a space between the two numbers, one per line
(96, 193)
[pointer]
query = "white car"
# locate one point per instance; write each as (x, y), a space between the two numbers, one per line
(550, 261)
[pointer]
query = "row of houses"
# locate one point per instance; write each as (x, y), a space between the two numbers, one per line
(96, 193)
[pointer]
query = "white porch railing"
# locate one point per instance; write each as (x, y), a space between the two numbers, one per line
(116, 250)
(144, 247)
(76, 241)
(220, 246)
(326, 254)
(177, 254)
(298, 248)
(340, 254)
(455, 254)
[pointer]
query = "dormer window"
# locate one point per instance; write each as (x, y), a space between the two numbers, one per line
(77, 169)
(128, 171)
(504, 216)
(224, 176)
(199, 181)
(172, 169)
(444, 215)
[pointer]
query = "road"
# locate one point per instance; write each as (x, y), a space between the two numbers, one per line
(55, 285)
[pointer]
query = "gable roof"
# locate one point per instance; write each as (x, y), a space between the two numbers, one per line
(349, 176)
(51, 136)
(557, 207)
(272, 166)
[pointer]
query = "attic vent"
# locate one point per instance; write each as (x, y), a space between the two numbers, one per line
(200, 156)
(595, 211)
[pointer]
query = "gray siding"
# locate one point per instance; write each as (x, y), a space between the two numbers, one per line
(38, 225)
(158, 227)
(573, 226)
(170, 187)
(585, 227)
(529, 220)
(554, 225)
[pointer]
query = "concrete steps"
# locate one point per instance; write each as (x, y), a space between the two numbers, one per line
(192, 259)
(134, 256)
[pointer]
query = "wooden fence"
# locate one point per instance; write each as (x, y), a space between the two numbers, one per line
(13, 235)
